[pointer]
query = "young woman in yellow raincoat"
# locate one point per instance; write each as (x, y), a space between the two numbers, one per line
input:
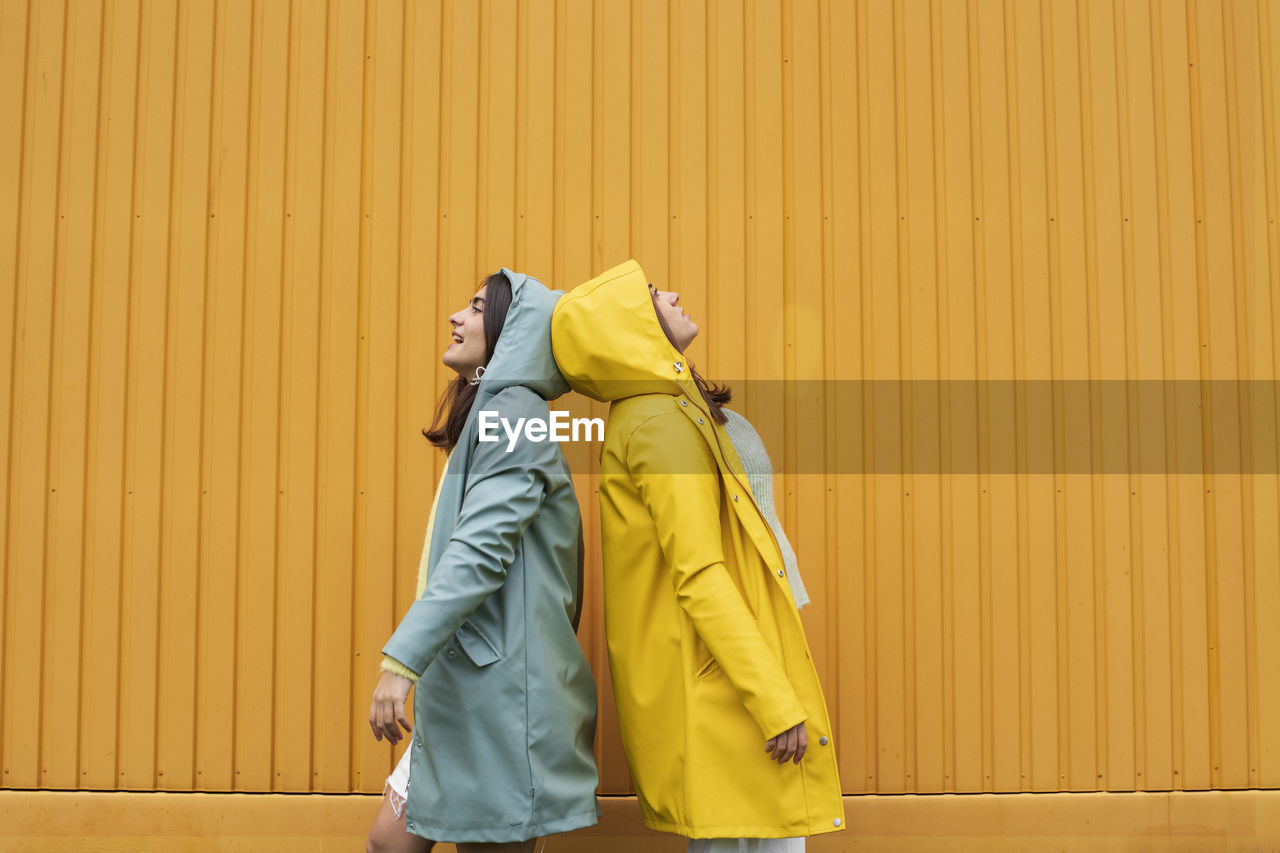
(723, 719)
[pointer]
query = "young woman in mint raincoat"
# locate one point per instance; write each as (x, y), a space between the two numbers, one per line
(505, 706)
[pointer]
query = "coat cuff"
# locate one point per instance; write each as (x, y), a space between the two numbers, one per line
(783, 723)
(390, 664)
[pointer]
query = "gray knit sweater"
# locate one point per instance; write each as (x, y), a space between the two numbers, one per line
(759, 471)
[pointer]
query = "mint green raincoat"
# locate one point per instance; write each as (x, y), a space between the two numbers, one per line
(505, 708)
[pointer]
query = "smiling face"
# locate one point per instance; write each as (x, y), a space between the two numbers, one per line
(466, 351)
(675, 321)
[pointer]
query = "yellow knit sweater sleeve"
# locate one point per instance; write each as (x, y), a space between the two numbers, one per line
(390, 664)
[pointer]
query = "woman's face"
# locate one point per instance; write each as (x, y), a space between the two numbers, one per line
(682, 330)
(466, 352)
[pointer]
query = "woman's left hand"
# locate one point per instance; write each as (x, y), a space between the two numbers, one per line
(386, 714)
(788, 746)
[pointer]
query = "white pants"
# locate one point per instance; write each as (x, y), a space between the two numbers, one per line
(398, 782)
(746, 845)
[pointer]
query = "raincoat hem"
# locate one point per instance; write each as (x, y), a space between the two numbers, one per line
(505, 835)
(741, 831)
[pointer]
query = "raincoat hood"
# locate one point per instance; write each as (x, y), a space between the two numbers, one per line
(523, 354)
(608, 341)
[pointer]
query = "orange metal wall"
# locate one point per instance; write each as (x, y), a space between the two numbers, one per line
(230, 232)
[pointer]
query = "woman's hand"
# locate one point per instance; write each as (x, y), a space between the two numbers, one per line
(386, 714)
(791, 744)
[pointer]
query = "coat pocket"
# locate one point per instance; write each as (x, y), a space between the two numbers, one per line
(707, 668)
(475, 646)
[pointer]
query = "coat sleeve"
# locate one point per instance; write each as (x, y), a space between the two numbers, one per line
(504, 492)
(679, 484)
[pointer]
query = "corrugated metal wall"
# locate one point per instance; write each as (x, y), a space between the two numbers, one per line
(230, 232)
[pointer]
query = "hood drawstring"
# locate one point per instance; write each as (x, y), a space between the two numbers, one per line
(479, 373)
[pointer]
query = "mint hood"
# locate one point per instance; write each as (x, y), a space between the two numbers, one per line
(523, 355)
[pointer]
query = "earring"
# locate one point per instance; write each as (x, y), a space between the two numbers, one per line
(479, 373)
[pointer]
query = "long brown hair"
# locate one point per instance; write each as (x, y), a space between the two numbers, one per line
(714, 395)
(455, 403)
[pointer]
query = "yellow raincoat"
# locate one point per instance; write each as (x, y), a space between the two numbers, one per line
(708, 655)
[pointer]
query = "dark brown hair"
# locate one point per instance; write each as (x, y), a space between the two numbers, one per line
(715, 396)
(455, 403)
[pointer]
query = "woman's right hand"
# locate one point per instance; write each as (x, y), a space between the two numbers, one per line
(386, 713)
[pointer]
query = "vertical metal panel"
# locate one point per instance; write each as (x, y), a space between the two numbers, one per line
(169, 246)
(231, 231)
(1264, 246)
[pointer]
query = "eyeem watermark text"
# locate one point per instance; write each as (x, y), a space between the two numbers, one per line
(559, 427)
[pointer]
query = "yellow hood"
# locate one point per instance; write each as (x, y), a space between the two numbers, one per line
(608, 342)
